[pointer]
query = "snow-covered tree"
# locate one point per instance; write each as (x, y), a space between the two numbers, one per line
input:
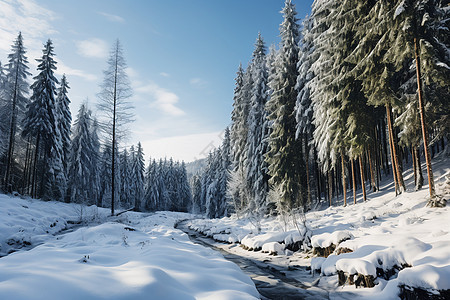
(137, 177)
(257, 139)
(64, 118)
(125, 179)
(285, 159)
(41, 123)
(239, 133)
(14, 88)
(82, 160)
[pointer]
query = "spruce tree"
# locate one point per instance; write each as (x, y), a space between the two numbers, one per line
(125, 178)
(82, 168)
(14, 91)
(138, 170)
(41, 123)
(257, 178)
(64, 118)
(285, 159)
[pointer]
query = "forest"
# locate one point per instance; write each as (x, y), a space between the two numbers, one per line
(351, 95)
(334, 108)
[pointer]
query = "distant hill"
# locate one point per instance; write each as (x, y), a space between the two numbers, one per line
(195, 167)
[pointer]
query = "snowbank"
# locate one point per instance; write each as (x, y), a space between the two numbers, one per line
(243, 231)
(141, 257)
(28, 222)
(396, 242)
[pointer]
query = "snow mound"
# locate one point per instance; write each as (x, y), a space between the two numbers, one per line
(327, 239)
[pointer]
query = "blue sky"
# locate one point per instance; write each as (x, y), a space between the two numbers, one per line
(182, 57)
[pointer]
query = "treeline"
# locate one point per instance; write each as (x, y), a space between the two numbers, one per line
(357, 91)
(43, 156)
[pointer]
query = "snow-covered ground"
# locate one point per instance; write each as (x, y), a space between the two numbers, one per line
(397, 240)
(133, 256)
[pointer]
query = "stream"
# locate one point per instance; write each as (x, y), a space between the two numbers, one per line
(271, 282)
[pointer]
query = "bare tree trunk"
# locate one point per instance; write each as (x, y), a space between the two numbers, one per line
(113, 161)
(330, 186)
(343, 179)
(418, 171)
(432, 202)
(363, 184)
(413, 157)
(354, 182)
(372, 175)
(26, 167)
(36, 156)
(12, 134)
(307, 168)
(392, 147)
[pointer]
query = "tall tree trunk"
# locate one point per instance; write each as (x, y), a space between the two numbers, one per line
(385, 148)
(372, 175)
(393, 152)
(12, 134)
(26, 167)
(432, 202)
(344, 187)
(307, 168)
(377, 159)
(36, 156)
(418, 175)
(330, 186)
(113, 160)
(361, 171)
(354, 182)
(317, 174)
(413, 158)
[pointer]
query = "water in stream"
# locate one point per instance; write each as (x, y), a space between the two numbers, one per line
(271, 282)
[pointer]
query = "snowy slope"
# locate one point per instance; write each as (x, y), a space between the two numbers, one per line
(397, 240)
(134, 256)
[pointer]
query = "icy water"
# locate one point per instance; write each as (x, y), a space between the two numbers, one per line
(270, 282)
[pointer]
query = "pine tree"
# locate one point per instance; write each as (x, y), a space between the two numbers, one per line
(285, 159)
(41, 123)
(114, 106)
(196, 194)
(152, 187)
(82, 162)
(184, 190)
(15, 88)
(64, 118)
(239, 132)
(257, 178)
(137, 170)
(303, 106)
(125, 179)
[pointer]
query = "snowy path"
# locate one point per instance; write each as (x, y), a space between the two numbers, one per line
(271, 281)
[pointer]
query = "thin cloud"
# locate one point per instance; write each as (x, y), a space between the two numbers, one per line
(165, 100)
(63, 69)
(198, 82)
(164, 74)
(28, 17)
(111, 17)
(95, 48)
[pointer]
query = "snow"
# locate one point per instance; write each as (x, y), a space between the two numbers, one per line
(400, 237)
(132, 256)
(325, 239)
